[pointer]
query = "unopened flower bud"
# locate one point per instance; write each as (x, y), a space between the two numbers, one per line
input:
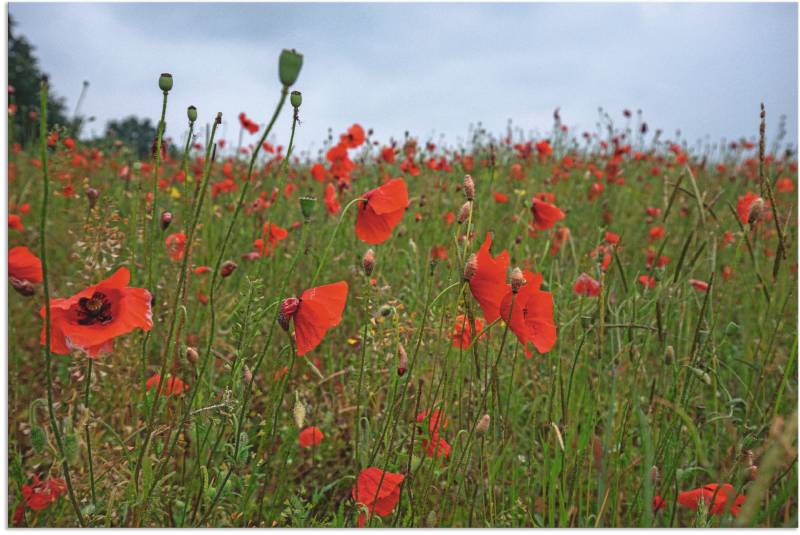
(299, 413)
(92, 195)
(756, 211)
(307, 205)
(191, 355)
(289, 65)
(165, 82)
(296, 99)
(368, 262)
(669, 354)
(752, 472)
(166, 219)
(288, 309)
(23, 287)
(655, 475)
(191, 112)
(469, 187)
(402, 362)
(470, 267)
(227, 268)
(517, 280)
(247, 375)
(463, 215)
(483, 424)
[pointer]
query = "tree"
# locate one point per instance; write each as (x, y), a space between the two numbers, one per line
(25, 76)
(137, 134)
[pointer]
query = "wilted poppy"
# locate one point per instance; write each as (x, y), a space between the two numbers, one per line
(23, 265)
(91, 319)
(531, 318)
(488, 283)
(380, 210)
(713, 495)
(317, 310)
(586, 285)
(545, 215)
(378, 491)
(310, 437)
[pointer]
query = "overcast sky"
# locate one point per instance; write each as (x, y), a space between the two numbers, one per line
(431, 69)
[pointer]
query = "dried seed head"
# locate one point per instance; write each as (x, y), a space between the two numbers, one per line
(402, 362)
(92, 195)
(368, 262)
(24, 287)
(669, 354)
(463, 215)
(227, 268)
(470, 267)
(469, 187)
(166, 219)
(191, 355)
(483, 424)
(756, 211)
(247, 375)
(299, 413)
(517, 280)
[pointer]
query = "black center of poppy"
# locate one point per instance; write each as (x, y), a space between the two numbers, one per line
(95, 309)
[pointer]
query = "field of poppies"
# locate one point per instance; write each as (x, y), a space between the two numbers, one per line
(578, 329)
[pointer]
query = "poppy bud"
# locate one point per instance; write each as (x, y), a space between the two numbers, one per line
(92, 195)
(191, 112)
(402, 364)
(289, 65)
(752, 472)
(469, 187)
(23, 287)
(165, 82)
(470, 267)
(299, 413)
(463, 215)
(756, 211)
(517, 280)
(669, 354)
(166, 219)
(218, 118)
(296, 98)
(288, 308)
(655, 476)
(307, 205)
(227, 268)
(247, 375)
(191, 355)
(483, 424)
(368, 262)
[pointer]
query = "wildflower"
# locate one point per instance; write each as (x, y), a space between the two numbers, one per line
(173, 386)
(271, 234)
(462, 331)
(227, 268)
(368, 262)
(378, 491)
(469, 187)
(500, 198)
(23, 265)
(437, 420)
(612, 238)
(700, 286)
(436, 447)
(354, 137)
(314, 313)
(587, 286)
(647, 281)
(545, 215)
(91, 319)
(517, 280)
(380, 210)
(310, 436)
(658, 503)
(92, 195)
(750, 208)
(166, 219)
(713, 495)
(488, 282)
(463, 214)
(656, 232)
(531, 318)
(15, 222)
(176, 246)
(40, 494)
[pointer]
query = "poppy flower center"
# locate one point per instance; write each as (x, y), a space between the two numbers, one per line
(95, 309)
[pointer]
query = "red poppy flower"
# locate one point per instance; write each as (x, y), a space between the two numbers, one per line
(173, 387)
(449, 218)
(656, 232)
(462, 331)
(331, 201)
(176, 246)
(310, 437)
(354, 137)
(437, 447)
(748, 207)
(248, 124)
(714, 495)
(501, 198)
(271, 234)
(314, 313)
(381, 210)
(387, 155)
(785, 185)
(40, 494)
(531, 319)
(658, 503)
(378, 491)
(612, 238)
(200, 270)
(23, 265)
(15, 222)
(91, 319)
(545, 215)
(647, 281)
(700, 286)
(437, 420)
(488, 283)
(586, 285)
(318, 172)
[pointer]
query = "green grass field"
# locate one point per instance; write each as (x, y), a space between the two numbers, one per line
(654, 388)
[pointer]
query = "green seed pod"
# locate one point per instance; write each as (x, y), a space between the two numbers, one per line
(307, 205)
(732, 329)
(296, 98)
(38, 439)
(289, 65)
(165, 82)
(191, 112)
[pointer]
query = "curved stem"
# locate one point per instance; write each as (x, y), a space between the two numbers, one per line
(328, 247)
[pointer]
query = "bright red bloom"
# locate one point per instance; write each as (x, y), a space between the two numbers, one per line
(647, 281)
(586, 285)
(91, 319)
(658, 503)
(437, 447)
(612, 238)
(743, 206)
(545, 215)
(176, 246)
(714, 495)
(488, 284)
(544, 149)
(247, 124)
(437, 420)
(462, 331)
(331, 201)
(656, 232)
(354, 137)
(318, 172)
(531, 318)
(378, 491)
(438, 252)
(173, 386)
(200, 270)
(501, 198)
(387, 155)
(23, 265)
(271, 234)
(40, 494)
(785, 185)
(700, 286)
(314, 313)
(381, 210)
(449, 218)
(15, 222)
(310, 437)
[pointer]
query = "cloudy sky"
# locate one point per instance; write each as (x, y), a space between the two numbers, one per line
(432, 69)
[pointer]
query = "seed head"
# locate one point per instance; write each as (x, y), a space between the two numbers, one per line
(368, 262)
(299, 413)
(470, 267)
(483, 424)
(191, 355)
(247, 375)
(655, 475)
(296, 99)
(756, 211)
(289, 65)
(469, 187)
(165, 82)
(463, 215)
(517, 280)
(191, 113)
